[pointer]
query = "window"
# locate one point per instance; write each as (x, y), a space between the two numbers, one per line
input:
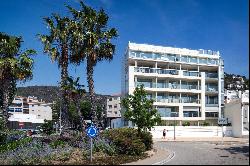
(11, 109)
(110, 99)
(18, 110)
(26, 111)
(115, 112)
(211, 114)
(110, 106)
(115, 106)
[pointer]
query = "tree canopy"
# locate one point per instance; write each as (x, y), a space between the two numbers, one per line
(140, 110)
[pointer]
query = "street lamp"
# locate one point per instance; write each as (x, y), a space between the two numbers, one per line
(174, 115)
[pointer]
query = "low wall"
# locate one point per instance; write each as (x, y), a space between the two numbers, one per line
(192, 131)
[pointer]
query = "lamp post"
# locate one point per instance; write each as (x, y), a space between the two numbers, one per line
(174, 114)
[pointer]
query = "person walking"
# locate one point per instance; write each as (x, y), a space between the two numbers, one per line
(164, 134)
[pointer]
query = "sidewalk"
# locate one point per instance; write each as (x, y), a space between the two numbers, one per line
(204, 139)
(156, 156)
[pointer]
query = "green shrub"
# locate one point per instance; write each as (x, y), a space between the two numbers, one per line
(126, 140)
(3, 137)
(47, 127)
(206, 124)
(147, 139)
(13, 145)
(57, 143)
(186, 124)
(104, 146)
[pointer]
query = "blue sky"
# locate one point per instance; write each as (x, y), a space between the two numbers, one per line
(197, 24)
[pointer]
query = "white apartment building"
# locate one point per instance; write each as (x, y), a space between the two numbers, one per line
(186, 85)
(29, 111)
(113, 108)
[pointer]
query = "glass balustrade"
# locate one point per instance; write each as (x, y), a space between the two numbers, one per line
(190, 87)
(194, 73)
(211, 75)
(159, 71)
(190, 113)
(211, 88)
(173, 57)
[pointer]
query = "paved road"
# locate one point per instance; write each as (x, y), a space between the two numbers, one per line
(209, 153)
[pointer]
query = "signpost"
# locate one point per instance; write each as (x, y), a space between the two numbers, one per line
(91, 132)
(175, 115)
(222, 121)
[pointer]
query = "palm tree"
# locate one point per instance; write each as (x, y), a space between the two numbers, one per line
(94, 43)
(75, 94)
(57, 44)
(14, 66)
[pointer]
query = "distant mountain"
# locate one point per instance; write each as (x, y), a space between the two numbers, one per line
(235, 82)
(46, 93)
(51, 93)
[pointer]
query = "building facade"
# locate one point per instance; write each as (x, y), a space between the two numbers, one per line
(186, 85)
(29, 112)
(113, 108)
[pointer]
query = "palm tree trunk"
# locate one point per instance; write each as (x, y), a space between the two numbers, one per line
(8, 86)
(5, 108)
(90, 72)
(79, 112)
(64, 76)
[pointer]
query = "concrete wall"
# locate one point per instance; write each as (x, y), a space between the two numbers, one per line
(234, 112)
(192, 131)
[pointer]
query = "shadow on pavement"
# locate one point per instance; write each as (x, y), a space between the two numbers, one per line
(239, 149)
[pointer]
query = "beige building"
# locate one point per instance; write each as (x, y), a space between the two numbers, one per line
(29, 111)
(113, 108)
(186, 84)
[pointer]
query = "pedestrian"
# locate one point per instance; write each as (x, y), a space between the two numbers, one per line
(164, 134)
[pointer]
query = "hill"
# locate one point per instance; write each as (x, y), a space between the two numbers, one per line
(235, 82)
(51, 93)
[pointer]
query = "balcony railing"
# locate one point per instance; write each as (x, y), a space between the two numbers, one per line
(166, 71)
(166, 85)
(174, 58)
(212, 89)
(171, 100)
(211, 75)
(190, 87)
(165, 113)
(193, 73)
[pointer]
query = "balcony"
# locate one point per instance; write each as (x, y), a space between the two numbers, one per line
(190, 87)
(173, 58)
(168, 85)
(182, 100)
(211, 89)
(191, 114)
(211, 75)
(212, 103)
(191, 73)
(154, 70)
(166, 71)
